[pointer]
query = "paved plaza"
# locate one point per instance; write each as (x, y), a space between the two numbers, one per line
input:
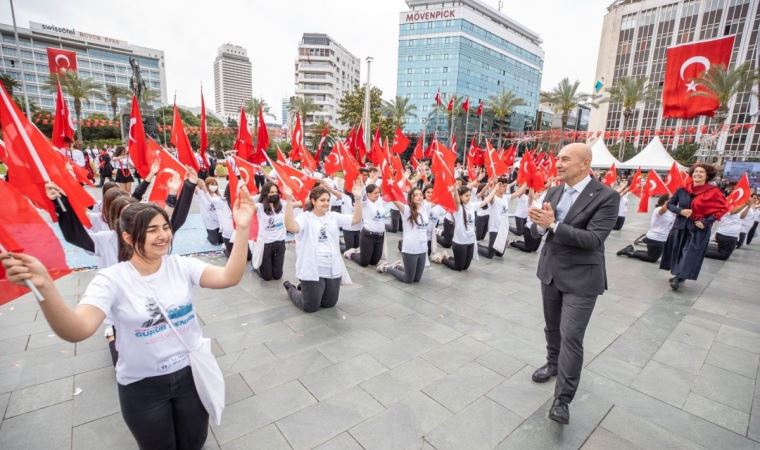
(445, 364)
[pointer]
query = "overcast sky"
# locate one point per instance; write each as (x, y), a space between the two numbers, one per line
(189, 33)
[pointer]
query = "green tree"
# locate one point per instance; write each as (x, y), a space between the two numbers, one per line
(114, 93)
(351, 109)
(252, 106)
(304, 106)
(9, 83)
(502, 106)
(79, 89)
(686, 153)
(148, 96)
(629, 92)
(565, 98)
(398, 110)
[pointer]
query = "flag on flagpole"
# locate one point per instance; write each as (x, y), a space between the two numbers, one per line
(295, 140)
(740, 194)
(243, 141)
(262, 140)
(63, 127)
(182, 143)
(203, 134)
(466, 105)
(136, 144)
(168, 165)
(438, 101)
(479, 111)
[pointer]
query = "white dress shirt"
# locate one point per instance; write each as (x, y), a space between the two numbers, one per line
(578, 187)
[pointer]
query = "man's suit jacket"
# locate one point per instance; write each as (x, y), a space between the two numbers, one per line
(573, 255)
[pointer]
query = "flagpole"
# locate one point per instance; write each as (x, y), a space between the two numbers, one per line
(436, 119)
(466, 126)
(21, 65)
(480, 126)
(451, 125)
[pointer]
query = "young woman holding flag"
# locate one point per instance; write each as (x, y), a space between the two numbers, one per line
(372, 235)
(271, 238)
(416, 218)
(463, 242)
(157, 390)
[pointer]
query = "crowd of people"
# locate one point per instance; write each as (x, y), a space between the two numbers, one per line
(141, 287)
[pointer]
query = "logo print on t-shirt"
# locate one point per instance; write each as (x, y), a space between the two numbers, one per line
(323, 234)
(155, 313)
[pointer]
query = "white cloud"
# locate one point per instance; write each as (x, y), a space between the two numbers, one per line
(190, 33)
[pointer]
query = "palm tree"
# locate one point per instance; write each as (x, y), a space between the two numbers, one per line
(565, 98)
(9, 83)
(398, 110)
(79, 89)
(304, 106)
(502, 106)
(723, 84)
(114, 93)
(252, 106)
(148, 95)
(629, 92)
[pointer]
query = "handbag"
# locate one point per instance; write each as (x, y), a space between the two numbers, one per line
(207, 376)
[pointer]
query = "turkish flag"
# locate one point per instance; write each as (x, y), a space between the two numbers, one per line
(32, 161)
(673, 181)
(685, 63)
(466, 105)
(295, 140)
(376, 153)
(22, 230)
(332, 162)
(390, 186)
(138, 147)
(611, 176)
(653, 186)
(508, 155)
(360, 145)
(417, 154)
(450, 106)
(479, 111)
(298, 182)
(63, 128)
(495, 167)
(60, 60)
(349, 166)
(182, 143)
(740, 194)
(203, 134)
(281, 157)
(243, 168)
(307, 161)
(636, 183)
(262, 140)
(243, 142)
(247, 172)
(168, 165)
(444, 178)
(400, 142)
(322, 139)
(438, 101)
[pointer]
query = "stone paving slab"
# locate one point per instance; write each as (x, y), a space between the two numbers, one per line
(444, 364)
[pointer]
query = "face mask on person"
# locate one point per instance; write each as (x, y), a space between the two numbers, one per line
(213, 188)
(274, 198)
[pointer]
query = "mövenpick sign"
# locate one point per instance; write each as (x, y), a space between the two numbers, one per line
(420, 16)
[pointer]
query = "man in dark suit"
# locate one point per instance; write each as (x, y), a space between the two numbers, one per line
(576, 218)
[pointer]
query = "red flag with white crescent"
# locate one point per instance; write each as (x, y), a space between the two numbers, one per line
(60, 60)
(63, 127)
(673, 180)
(243, 142)
(740, 194)
(168, 165)
(685, 63)
(181, 142)
(611, 176)
(136, 144)
(296, 138)
(400, 142)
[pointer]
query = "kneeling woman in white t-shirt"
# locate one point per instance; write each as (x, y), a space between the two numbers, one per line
(270, 213)
(157, 394)
(463, 243)
(319, 264)
(416, 221)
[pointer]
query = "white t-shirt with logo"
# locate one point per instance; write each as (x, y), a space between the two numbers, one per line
(465, 234)
(207, 209)
(146, 344)
(660, 225)
(730, 225)
(373, 215)
(415, 237)
(271, 227)
(317, 245)
(521, 208)
(498, 209)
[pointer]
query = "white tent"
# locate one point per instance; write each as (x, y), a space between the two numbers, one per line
(601, 158)
(654, 156)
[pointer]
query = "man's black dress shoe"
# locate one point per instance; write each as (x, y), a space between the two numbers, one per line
(544, 373)
(560, 412)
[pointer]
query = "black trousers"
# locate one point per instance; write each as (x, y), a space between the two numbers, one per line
(619, 223)
(519, 226)
(315, 294)
(462, 258)
(481, 227)
(489, 251)
(751, 233)
(165, 412)
(566, 317)
(370, 248)
(742, 238)
(395, 226)
(335, 208)
(214, 236)
(722, 251)
(228, 247)
(350, 239)
(653, 253)
(272, 260)
(529, 244)
(445, 239)
(414, 265)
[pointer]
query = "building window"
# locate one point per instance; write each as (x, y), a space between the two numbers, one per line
(410, 58)
(429, 41)
(408, 84)
(448, 23)
(426, 83)
(425, 95)
(445, 70)
(430, 24)
(427, 57)
(427, 69)
(409, 71)
(445, 56)
(444, 82)
(446, 40)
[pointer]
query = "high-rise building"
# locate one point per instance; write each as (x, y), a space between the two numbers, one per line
(101, 58)
(232, 80)
(324, 72)
(465, 48)
(285, 111)
(635, 36)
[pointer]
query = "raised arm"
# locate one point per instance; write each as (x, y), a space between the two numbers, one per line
(216, 277)
(290, 217)
(71, 227)
(357, 191)
(185, 199)
(143, 186)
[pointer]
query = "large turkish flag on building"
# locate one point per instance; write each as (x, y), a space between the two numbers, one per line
(685, 63)
(61, 60)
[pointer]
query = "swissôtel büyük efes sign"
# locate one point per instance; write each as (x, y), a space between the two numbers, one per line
(426, 16)
(72, 32)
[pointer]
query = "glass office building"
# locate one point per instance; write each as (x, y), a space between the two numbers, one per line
(465, 48)
(103, 59)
